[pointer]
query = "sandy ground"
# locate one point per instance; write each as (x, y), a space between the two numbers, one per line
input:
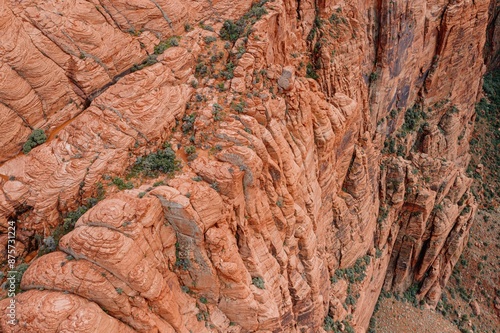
(397, 317)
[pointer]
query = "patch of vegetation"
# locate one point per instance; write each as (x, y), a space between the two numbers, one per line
(209, 39)
(389, 145)
(180, 258)
(150, 60)
(233, 30)
(228, 73)
(36, 138)
(190, 150)
(201, 69)
(50, 243)
(330, 325)
(355, 273)
(311, 71)
(122, 185)
(410, 295)
(337, 19)
(202, 316)
(73, 216)
(382, 214)
(221, 86)
(166, 44)
(163, 160)
(187, 27)
(317, 24)
(258, 282)
(188, 123)
(206, 26)
(413, 116)
(217, 112)
(239, 107)
(351, 299)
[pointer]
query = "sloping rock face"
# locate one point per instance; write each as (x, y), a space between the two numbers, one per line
(331, 145)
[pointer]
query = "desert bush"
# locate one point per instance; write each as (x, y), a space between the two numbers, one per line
(258, 282)
(36, 138)
(163, 160)
(164, 45)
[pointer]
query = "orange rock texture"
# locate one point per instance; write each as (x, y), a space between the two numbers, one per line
(328, 147)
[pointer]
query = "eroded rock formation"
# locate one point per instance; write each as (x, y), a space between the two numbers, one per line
(331, 145)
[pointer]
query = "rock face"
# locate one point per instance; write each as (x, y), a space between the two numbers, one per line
(323, 147)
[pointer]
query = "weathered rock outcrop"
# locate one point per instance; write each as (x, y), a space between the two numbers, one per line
(327, 151)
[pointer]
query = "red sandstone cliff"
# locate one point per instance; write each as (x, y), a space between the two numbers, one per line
(330, 159)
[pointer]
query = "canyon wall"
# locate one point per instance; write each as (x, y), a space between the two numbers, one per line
(323, 150)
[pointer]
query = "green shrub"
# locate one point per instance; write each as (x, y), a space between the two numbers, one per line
(201, 69)
(209, 39)
(410, 294)
(239, 107)
(232, 30)
(150, 60)
(258, 282)
(215, 186)
(221, 86)
(412, 118)
(188, 123)
(350, 300)
(163, 46)
(336, 19)
(69, 220)
(389, 145)
(330, 325)
(383, 213)
(122, 185)
(190, 150)
(464, 294)
(355, 273)
(217, 112)
(228, 73)
(206, 27)
(311, 72)
(36, 138)
(163, 161)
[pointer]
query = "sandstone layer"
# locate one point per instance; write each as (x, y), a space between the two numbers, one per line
(329, 147)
